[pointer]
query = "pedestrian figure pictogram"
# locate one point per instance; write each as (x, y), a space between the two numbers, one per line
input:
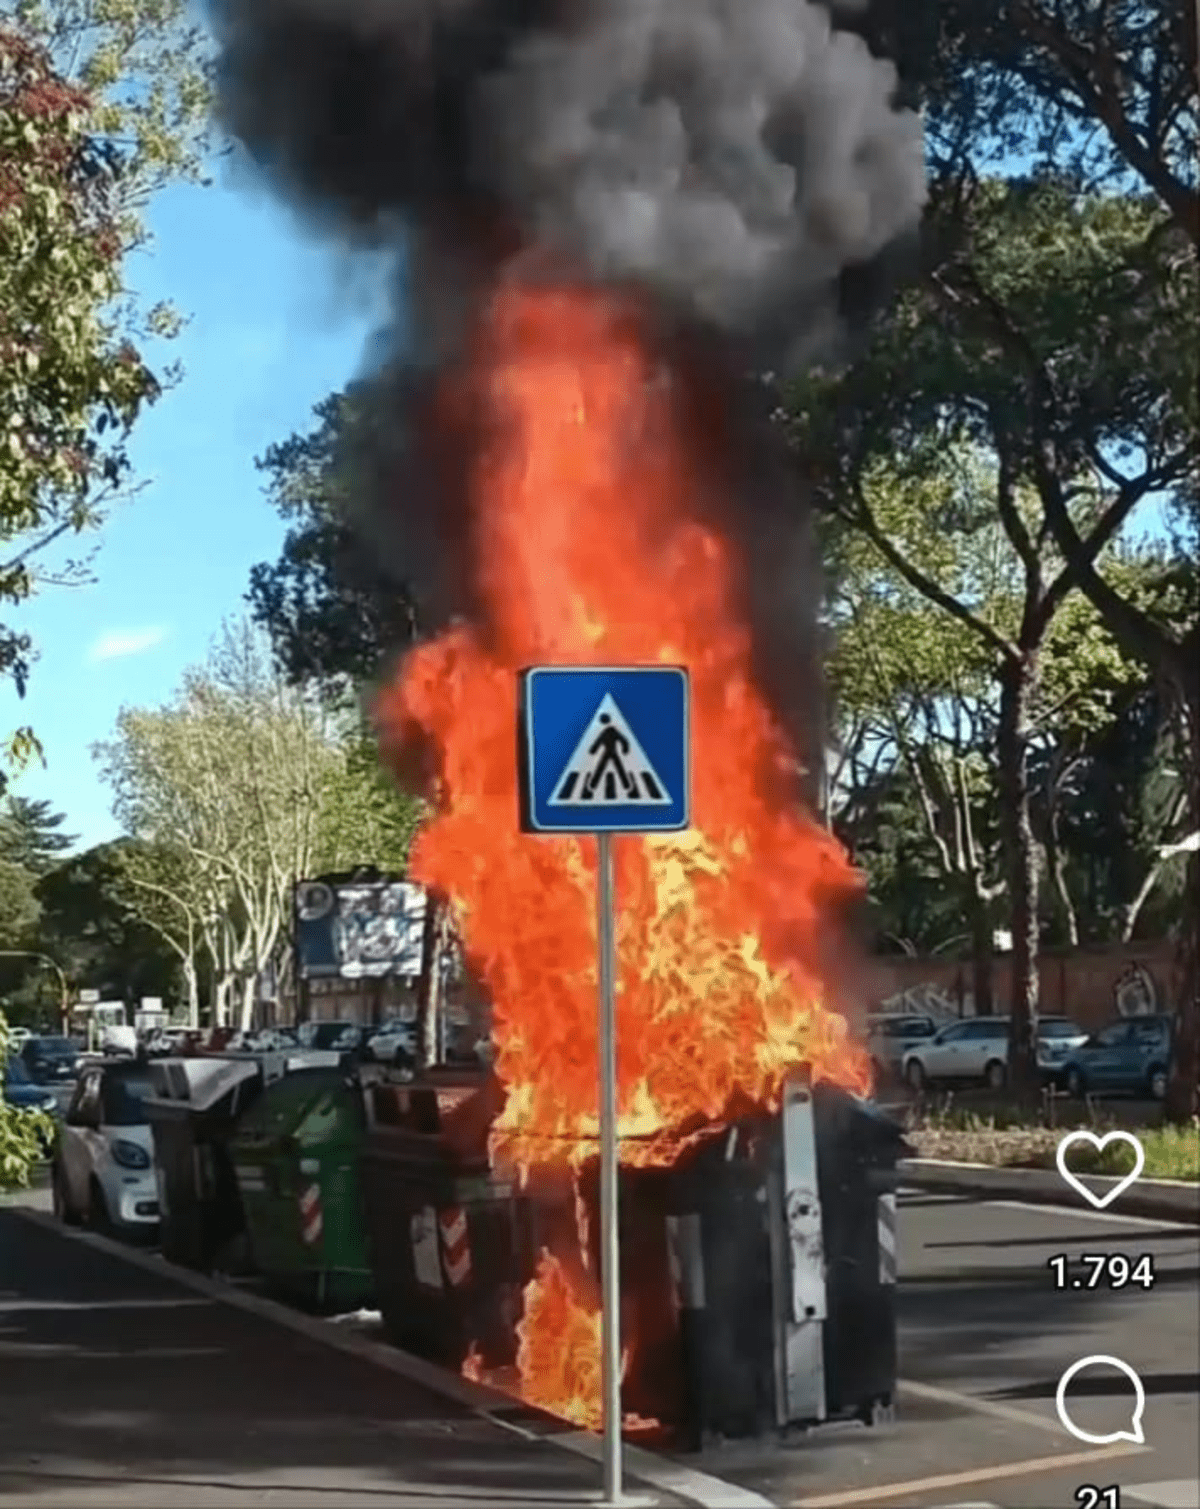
(609, 767)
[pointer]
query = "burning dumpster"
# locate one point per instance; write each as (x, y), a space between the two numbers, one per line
(451, 1245)
(772, 1246)
(758, 1278)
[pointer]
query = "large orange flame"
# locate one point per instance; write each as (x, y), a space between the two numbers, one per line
(588, 548)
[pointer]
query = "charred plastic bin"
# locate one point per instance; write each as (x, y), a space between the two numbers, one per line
(451, 1244)
(758, 1272)
(193, 1115)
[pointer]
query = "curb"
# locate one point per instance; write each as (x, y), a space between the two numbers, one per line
(689, 1484)
(1152, 1199)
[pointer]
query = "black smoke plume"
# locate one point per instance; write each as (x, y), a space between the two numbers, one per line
(744, 161)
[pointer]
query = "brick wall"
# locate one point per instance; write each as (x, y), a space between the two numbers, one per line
(1091, 984)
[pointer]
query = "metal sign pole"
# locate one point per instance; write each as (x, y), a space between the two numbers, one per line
(610, 1271)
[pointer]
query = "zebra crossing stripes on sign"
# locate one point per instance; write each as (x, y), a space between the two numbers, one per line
(609, 766)
(887, 1238)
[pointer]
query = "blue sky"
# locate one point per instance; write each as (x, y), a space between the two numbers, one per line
(275, 322)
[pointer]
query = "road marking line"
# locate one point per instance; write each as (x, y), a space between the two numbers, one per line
(1089, 1215)
(885, 1491)
(700, 1488)
(1179, 1494)
(983, 1407)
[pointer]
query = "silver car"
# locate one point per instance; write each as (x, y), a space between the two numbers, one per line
(891, 1034)
(974, 1049)
(1058, 1037)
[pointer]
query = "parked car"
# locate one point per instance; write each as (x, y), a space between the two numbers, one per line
(973, 1049)
(265, 1040)
(394, 1042)
(339, 1037)
(1131, 1056)
(103, 1170)
(21, 1093)
(891, 1034)
(50, 1060)
(1057, 1037)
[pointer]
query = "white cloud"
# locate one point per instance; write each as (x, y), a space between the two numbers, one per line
(115, 643)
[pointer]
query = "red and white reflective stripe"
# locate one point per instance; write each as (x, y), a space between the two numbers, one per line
(311, 1221)
(456, 1245)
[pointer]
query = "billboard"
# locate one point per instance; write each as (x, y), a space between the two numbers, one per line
(359, 930)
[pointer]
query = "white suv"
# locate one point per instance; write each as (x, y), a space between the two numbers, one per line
(968, 1050)
(104, 1164)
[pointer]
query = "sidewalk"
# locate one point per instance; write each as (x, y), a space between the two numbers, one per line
(123, 1388)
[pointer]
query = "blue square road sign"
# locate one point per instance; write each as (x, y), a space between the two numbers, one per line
(604, 749)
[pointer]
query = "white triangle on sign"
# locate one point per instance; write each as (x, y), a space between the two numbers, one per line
(609, 768)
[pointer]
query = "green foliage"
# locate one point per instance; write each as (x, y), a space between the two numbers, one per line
(1033, 265)
(19, 906)
(332, 614)
(240, 786)
(88, 924)
(102, 102)
(31, 834)
(20, 1146)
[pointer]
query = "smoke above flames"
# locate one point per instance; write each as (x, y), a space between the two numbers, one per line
(742, 161)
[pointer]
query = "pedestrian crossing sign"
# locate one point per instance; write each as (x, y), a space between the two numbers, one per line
(604, 749)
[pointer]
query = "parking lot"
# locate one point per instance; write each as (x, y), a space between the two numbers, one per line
(126, 1383)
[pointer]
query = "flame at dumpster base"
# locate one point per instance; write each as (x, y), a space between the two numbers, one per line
(592, 543)
(558, 1356)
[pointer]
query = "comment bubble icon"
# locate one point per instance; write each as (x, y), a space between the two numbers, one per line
(1073, 1139)
(1134, 1434)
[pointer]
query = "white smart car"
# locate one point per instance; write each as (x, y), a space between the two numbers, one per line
(103, 1171)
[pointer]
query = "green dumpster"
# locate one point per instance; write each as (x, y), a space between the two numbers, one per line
(296, 1152)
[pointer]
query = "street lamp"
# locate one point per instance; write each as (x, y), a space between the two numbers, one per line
(25, 953)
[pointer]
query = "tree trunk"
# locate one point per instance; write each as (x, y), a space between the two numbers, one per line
(249, 1000)
(1016, 680)
(1056, 863)
(1183, 1090)
(193, 992)
(981, 957)
(222, 988)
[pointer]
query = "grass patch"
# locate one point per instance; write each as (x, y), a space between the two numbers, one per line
(1171, 1153)
(1005, 1141)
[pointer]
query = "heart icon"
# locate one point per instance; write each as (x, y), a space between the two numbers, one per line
(1100, 1143)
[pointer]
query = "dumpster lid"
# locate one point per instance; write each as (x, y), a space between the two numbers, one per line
(199, 1081)
(310, 1105)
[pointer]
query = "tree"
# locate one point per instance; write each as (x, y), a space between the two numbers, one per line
(1106, 98)
(1111, 805)
(239, 788)
(333, 615)
(914, 696)
(102, 102)
(88, 925)
(922, 690)
(31, 834)
(932, 380)
(19, 908)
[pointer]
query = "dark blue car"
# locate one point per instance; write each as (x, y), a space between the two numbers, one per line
(1128, 1057)
(21, 1093)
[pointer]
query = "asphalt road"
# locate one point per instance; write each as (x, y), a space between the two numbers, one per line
(120, 1387)
(984, 1337)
